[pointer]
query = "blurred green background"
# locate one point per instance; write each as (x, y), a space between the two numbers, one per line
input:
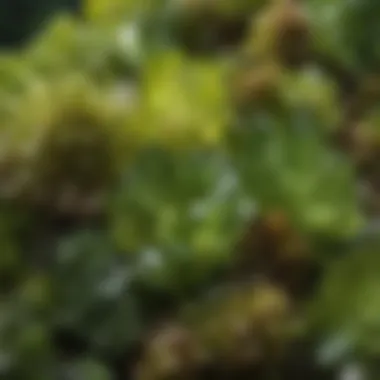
(189, 189)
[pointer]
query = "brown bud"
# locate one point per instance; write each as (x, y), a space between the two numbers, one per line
(282, 32)
(258, 84)
(171, 352)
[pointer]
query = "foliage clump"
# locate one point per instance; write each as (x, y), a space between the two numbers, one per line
(187, 191)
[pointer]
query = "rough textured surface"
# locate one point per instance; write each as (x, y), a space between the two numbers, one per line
(189, 190)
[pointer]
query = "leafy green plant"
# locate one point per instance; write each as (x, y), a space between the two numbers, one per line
(152, 152)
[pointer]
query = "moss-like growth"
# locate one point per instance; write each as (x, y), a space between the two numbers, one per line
(153, 151)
